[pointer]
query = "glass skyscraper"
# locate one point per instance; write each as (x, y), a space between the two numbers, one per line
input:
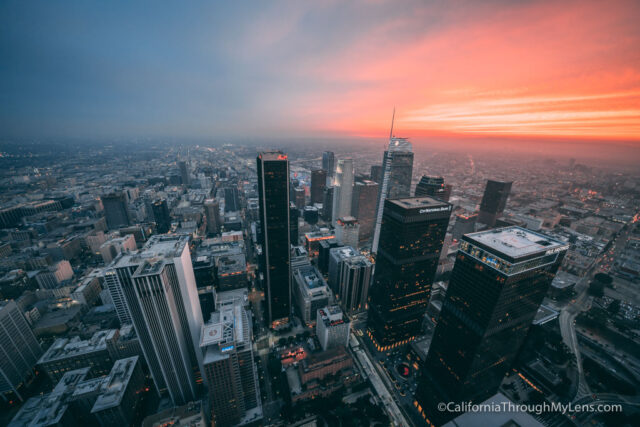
(494, 201)
(273, 189)
(412, 235)
(498, 282)
(397, 169)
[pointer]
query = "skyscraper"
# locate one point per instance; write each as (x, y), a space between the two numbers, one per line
(212, 211)
(159, 289)
(115, 209)
(363, 207)
(343, 189)
(294, 216)
(494, 201)
(328, 164)
(229, 369)
(376, 173)
(231, 199)
(184, 172)
(273, 189)
(161, 216)
(412, 235)
(318, 182)
(498, 282)
(433, 186)
(350, 278)
(19, 351)
(347, 229)
(327, 204)
(397, 169)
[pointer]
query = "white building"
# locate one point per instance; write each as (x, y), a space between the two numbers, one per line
(332, 327)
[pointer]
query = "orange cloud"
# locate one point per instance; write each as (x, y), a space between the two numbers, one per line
(552, 69)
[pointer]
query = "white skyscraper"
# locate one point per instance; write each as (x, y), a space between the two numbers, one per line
(19, 349)
(343, 189)
(159, 289)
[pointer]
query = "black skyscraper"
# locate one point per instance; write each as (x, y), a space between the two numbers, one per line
(376, 173)
(184, 172)
(494, 201)
(433, 186)
(318, 182)
(161, 216)
(115, 210)
(411, 238)
(273, 189)
(231, 199)
(498, 282)
(294, 215)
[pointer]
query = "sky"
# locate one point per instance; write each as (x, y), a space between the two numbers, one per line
(323, 69)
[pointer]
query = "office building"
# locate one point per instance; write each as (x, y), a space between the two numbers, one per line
(328, 164)
(411, 239)
(294, 218)
(212, 213)
(184, 173)
(310, 290)
(116, 211)
(376, 173)
(351, 274)
(161, 216)
(273, 189)
(397, 169)
(159, 288)
(327, 204)
(297, 197)
(343, 189)
(324, 253)
(494, 201)
(19, 351)
(347, 231)
(433, 186)
(231, 272)
(465, 223)
(229, 369)
(231, 199)
(120, 392)
(310, 215)
(332, 327)
(365, 194)
(79, 399)
(497, 284)
(68, 354)
(189, 415)
(117, 245)
(318, 182)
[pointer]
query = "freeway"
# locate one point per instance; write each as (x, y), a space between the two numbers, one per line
(581, 303)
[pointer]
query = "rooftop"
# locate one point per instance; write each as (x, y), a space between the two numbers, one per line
(115, 384)
(424, 202)
(65, 347)
(515, 241)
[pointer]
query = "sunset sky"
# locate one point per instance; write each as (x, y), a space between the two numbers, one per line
(102, 69)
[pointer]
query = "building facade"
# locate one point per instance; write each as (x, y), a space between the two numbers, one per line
(273, 189)
(413, 232)
(498, 282)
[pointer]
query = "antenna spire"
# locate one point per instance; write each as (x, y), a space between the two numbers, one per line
(392, 119)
